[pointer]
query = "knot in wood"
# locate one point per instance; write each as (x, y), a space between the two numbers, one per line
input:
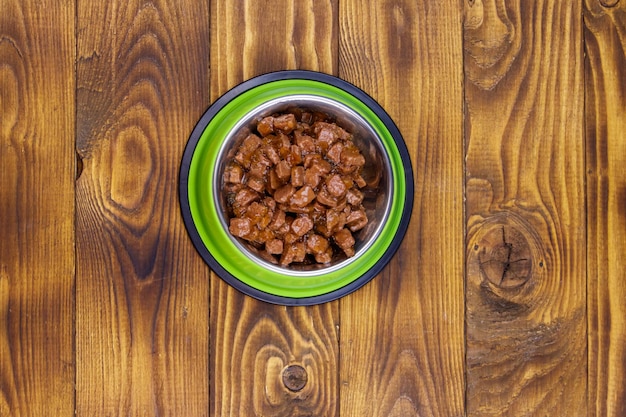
(609, 3)
(505, 257)
(294, 377)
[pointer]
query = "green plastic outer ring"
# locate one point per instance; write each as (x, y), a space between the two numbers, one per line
(203, 220)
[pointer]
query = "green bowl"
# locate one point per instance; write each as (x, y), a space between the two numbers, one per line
(219, 131)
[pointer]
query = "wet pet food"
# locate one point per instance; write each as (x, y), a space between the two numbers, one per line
(294, 189)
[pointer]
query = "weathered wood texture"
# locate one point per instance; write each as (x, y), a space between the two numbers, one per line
(36, 208)
(507, 297)
(402, 348)
(605, 73)
(253, 342)
(142, 291)
(526, 279)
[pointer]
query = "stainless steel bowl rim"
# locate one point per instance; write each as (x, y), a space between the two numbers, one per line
(252, 115)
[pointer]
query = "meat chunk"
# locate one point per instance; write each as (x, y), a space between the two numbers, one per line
(325, 198)
(271, 154)
(240, 227)
(334, 153)
(351, 157)
(305, 142)
(283, 170)
(345, 241)
(265, 126)
(335, 186)
(311, 178)
(247, 148)
(257, 213)
(303, 197)
(354, 197)
(297, 176)
(324, 257)
(274, 246)
(302, 225)
(246, 196)
(294, 252)
(284, 193)
(256, 183)
(335, 220)
(356, 220)
(317, 244)
(332, 129)
(233, 174)
(278, 220)
(286, 123)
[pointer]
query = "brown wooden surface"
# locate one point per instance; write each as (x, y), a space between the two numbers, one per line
(405, 329)
(142, 334)
(526, 269)
(251, 341)
(605, 72)
(507, 296)
(37, 163)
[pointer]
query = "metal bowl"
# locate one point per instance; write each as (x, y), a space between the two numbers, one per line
(388, 197)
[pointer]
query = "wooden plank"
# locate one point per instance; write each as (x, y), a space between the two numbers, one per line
(526, 281)
(36, 208)
(402, 335)
(252, 342)
(142, 291)
(605, 87)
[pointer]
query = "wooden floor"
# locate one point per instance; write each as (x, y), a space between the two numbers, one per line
(506, 298)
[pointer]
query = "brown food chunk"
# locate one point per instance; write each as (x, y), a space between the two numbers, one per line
(271, 154)
(297, 176)
(283, 170)
(256, 183)
(274, 182)
(335, 220)
(354, 197)
(294, 252)
(257, 213)
(331, 129)
(303, 196)
(359, 181)
(345, 241)
(285, 123)
(335, 186)
(278, 220)
(266, 126)
(324, 257)
(246, 196)
(317, 244)
(247, 148)
(311, 178)
(274, 246)
(352, 157)
(305, 142)
(356, 220)
(325, 198)
(302, 225)
(284, 193)
(334, 153)
(233, 174)
(240, 227)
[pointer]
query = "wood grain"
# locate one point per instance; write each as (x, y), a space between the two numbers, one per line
(142, 291)
(36, 208)
(526, 281)
(402, 349)
(253, 342)
(605, 75)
